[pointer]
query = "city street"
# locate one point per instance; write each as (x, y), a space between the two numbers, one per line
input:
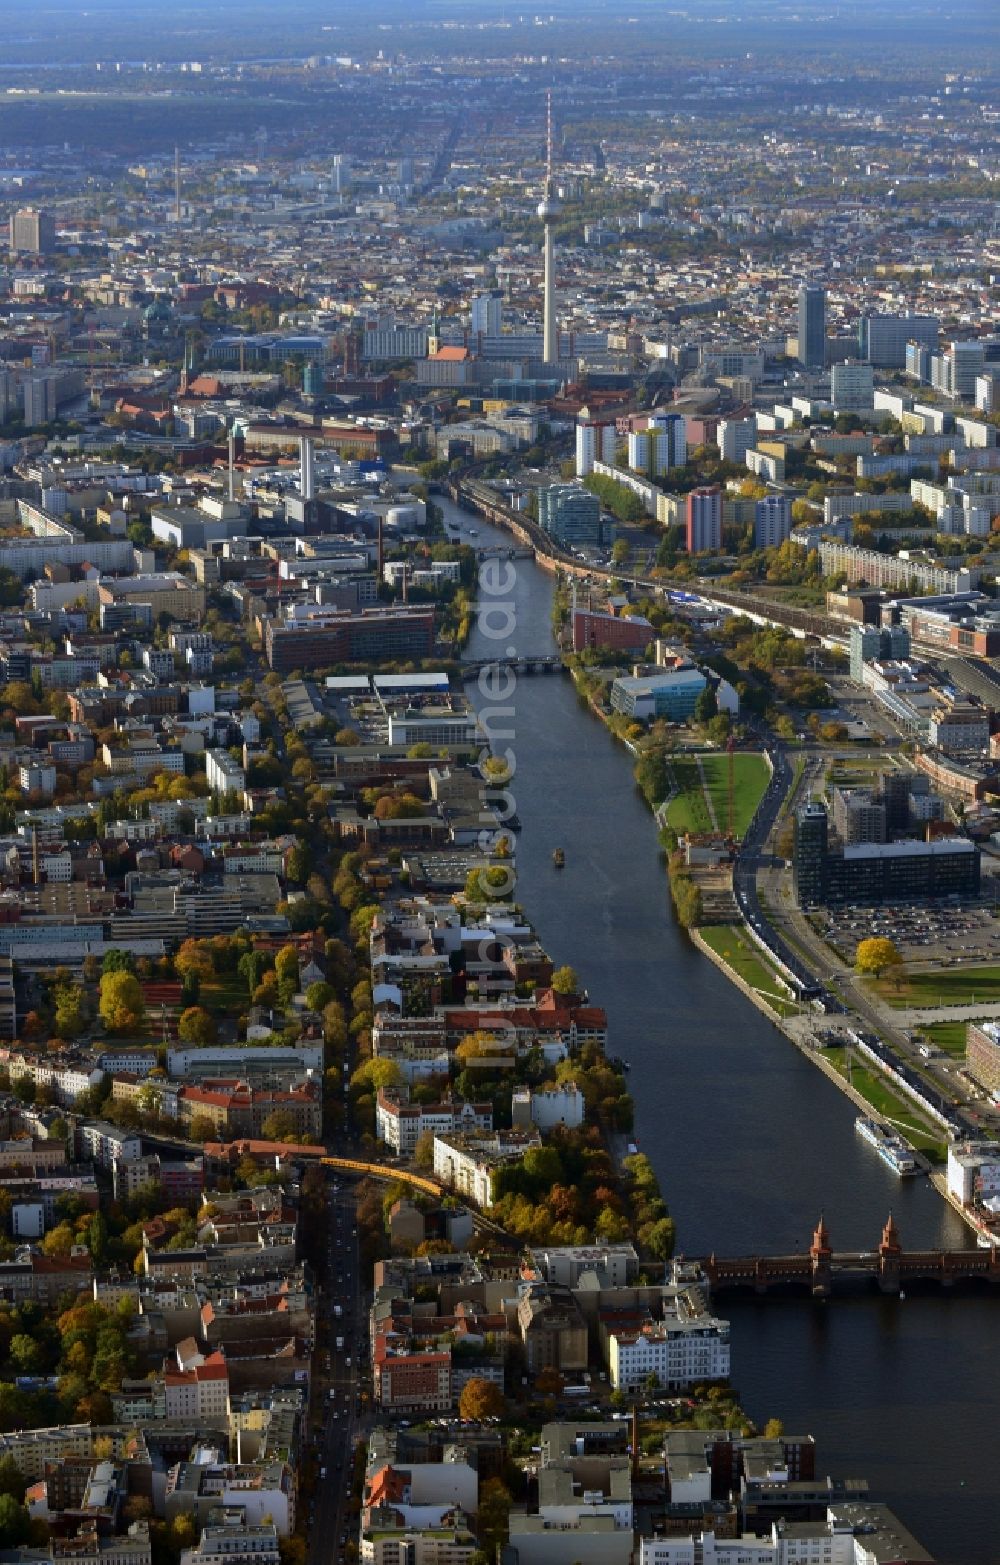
(329, 1510)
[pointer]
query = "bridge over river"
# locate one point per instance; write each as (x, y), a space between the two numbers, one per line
(822, 1271)
(544, 663)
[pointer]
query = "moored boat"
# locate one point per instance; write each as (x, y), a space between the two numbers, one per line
(892, 1149)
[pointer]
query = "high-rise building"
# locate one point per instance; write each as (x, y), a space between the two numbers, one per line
(918, 361)
(659, 447)
(594, 443)
(858, 816)
(882, 339)
(907, 871)
(812, 325)
(959, 367)
(548, 211)
(570, 514)
(871, 643)
(772, 521)
(809, 853)
(486, 316)
(38, 392)
(704, 520)
(852, 388)
(735, 438)
(32, 231)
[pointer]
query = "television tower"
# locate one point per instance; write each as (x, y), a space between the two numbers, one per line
(548, 211)
(177, 184)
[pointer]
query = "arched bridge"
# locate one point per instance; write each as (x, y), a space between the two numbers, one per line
(544, 663)
(821, 1270)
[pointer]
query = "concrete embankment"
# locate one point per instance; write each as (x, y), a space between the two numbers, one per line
(752, 994)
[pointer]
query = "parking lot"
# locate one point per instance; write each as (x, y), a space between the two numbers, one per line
(934, 935)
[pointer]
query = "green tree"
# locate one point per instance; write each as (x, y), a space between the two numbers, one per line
(25, 1354)
(707, 704)
(15, 1524)
(251, 967)
(115, 961)
(12, 1480)
(319, 995)
(279, 1126)
(68, 1016)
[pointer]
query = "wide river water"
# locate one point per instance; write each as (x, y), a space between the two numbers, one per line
(751, 1142)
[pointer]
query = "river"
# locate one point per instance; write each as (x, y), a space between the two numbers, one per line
(750, 1142)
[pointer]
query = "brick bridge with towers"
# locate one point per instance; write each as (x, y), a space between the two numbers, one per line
(823, 1271)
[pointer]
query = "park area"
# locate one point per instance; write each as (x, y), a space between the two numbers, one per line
(701, 791)
(940, 987)
(949, 1037)
(729, 942)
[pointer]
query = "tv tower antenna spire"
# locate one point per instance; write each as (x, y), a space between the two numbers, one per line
(548, 142)
(548, 211)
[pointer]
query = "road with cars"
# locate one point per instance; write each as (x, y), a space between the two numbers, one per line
(822, 979)
(330, 1519)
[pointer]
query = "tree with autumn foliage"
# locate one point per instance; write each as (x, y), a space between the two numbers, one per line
(480, 1399)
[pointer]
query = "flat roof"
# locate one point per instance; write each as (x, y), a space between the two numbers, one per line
(431, 681)
(359, 682)
(909, 849)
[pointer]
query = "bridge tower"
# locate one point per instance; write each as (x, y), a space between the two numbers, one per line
(821, 1256)
(889, 1253)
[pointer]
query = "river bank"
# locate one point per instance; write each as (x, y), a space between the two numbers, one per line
(749, 1141)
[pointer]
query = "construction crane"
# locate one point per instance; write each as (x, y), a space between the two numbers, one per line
(731, 753)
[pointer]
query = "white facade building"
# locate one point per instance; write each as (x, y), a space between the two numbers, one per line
(853, 1534)
(684, 1348)
(594, 443)
(224, 775)
(735, 438)
(772, 521)
(974, 1171)
(557, 1103)
(400, 1124)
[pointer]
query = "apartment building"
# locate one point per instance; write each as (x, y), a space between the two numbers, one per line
(400, 1124)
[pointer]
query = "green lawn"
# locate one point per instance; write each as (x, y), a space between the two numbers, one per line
(689, 811)
(225, 996)
(947, 1036)
(729, 942)
(951, 986)
(887, 1102)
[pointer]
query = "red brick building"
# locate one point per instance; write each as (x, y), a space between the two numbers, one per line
(606, 632)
